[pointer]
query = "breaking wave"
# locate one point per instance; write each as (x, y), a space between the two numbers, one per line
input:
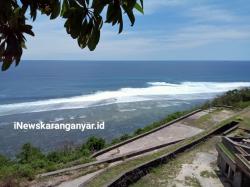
(154, 91)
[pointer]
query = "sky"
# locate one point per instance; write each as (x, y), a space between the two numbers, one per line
(169, 30)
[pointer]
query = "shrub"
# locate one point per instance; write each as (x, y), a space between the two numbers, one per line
(7, 172)
(54, 157)
(39, 164)
(29, 153)
(85, 152)
(124, 137)
(3, 161)
(51, 167)
(237, 98)
(115, 141)
(95, 144)
(26, 171)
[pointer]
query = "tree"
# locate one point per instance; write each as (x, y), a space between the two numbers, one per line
(83, 21)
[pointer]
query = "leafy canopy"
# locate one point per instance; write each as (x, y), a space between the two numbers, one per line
(83, 21)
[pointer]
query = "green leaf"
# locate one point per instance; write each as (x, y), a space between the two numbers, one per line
(110, 13)
(28, 30)
(94, 39)
(120, 21)
(6, 64)
(141, 1)
(56, 10)
(130, 14)
(139, 8)
(65, 9)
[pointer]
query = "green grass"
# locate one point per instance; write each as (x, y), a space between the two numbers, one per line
(226, 151)
(204, 121)
(207, 174)
(192, 181)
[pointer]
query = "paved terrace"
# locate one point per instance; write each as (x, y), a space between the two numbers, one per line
(169, 134)
(179, 130)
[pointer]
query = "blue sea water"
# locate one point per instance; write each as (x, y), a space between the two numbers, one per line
(126, 95)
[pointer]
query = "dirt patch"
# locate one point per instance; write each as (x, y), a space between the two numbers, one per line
(199, 173)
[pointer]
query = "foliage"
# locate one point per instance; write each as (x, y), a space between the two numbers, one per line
(3, 161)
(31, 161)
(83, 21)
(237, 98)
(29, 153)
(95, 144)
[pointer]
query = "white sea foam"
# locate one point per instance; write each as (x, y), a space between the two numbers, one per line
(127, 110)
(57, 119)
(145, 107)
(163, 105)
(72, 117)
(82, 117)
(155, 91)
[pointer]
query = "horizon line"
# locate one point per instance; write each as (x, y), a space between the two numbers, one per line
(134, 60)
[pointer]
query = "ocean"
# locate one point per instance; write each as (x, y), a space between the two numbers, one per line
(125, 95)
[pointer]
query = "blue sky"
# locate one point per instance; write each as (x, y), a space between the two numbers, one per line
(169, 30)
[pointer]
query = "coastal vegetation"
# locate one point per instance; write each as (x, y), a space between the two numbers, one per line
(238, 98)
(32, 161)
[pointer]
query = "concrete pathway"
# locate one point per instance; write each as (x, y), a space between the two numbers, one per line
(169, 134)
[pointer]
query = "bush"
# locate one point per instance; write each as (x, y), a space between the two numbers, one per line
(124, 137)
(29, 153)
(85, 152)
(95, 144)
(7, 172)
(39, 164)
(54, 157)
(26, 171)
(51, 167)
(238, 98)
(138, 131)
(3, 161)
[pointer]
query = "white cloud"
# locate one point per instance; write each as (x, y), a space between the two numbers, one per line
(151, 6)
(212, 13)
(133, 45)
(201, 35)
